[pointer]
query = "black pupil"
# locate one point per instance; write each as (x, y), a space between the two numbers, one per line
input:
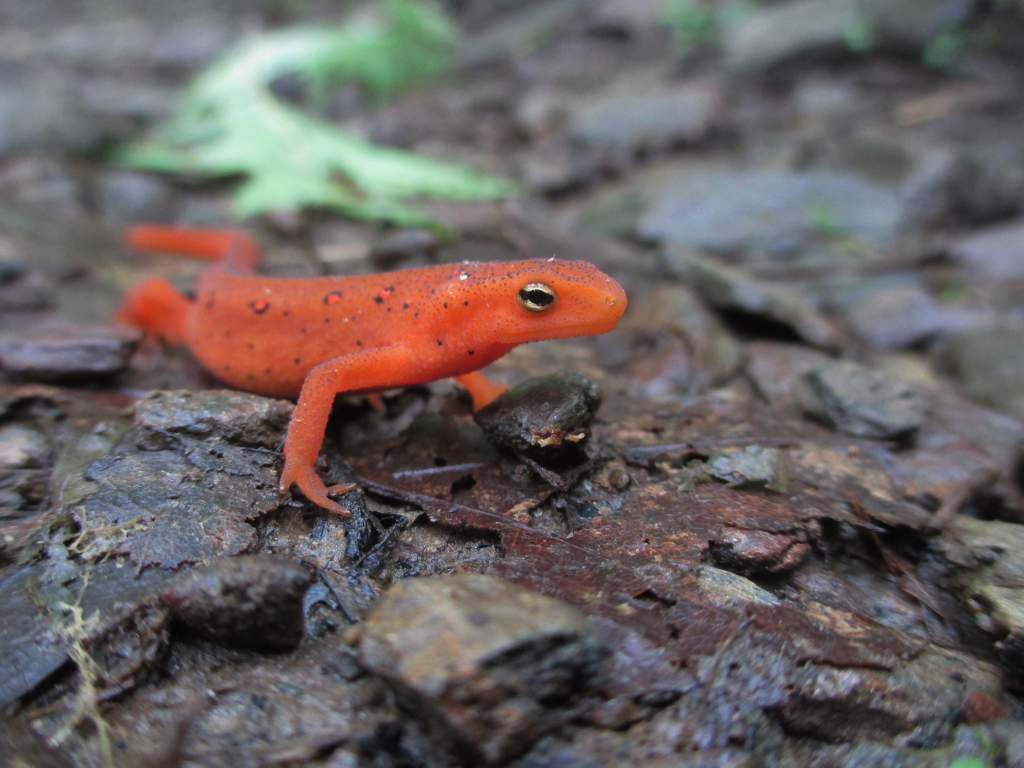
(537, 297)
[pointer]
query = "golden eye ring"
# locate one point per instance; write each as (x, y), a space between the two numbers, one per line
(536, 297)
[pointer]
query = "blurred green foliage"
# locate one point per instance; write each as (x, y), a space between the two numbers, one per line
(698, 22)
(229, 123)
(968, 762)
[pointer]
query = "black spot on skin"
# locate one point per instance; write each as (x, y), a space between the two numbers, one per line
(465, 303)
(445, 305)
(259, 306)
(327, 321)
(405, 305)
(332, 298)
(440, 343)
(378, 299)
(298, 361)
(359, 343)
(472, 352)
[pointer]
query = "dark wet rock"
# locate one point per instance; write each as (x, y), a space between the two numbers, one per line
(407, 247)
(22, 747)
(758, 552)
(41, 111)
(954, 460)
(868, 753)
(996, 253)
(728, 589)
(866, 479)
(125, 196)
(234, 416)
(42, 182)
(120, 106)
(913, 24)
(491, 665)
(164, 508)
(652, 745)
(119, 627)
(895, 314)
(989, 363)
(23, 288)
(129, 646)
(826, 100)
(990, 554)
(781, 32)
(187, 482)
(786, 31)
(646, 116)
(777, 212)
(307, 707)
(31, 650)
(981, 707)
(516, 33)
(556, 167)
(752, 466)
(22, 448)
(250, 601)
(775, 368)
(52, 354)
(991, 185)
(920, 699)
(863, 402)
(681, 346)
(539, 112)
(633, 18)
(923, 175)
(732, 290)
(545, 416)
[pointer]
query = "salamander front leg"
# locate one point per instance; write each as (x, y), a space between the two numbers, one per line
(360, 371)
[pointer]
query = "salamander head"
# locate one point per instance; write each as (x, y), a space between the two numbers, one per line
(524, 301)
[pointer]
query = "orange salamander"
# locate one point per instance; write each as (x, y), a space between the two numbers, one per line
(315, 338)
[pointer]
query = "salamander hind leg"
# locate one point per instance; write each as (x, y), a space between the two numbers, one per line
(372, 369)
(481, 389)
(156, 307)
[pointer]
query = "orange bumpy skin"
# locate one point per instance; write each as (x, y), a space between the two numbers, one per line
(315, 338)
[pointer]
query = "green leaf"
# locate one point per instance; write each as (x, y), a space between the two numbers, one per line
(228, 123)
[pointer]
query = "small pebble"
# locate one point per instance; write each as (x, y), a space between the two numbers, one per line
(252, 601)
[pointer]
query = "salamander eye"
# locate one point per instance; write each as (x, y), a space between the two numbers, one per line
(536, 297)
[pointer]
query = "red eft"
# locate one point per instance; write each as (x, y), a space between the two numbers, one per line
(315, 338)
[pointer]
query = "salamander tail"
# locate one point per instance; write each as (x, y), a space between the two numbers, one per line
(235, 250)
